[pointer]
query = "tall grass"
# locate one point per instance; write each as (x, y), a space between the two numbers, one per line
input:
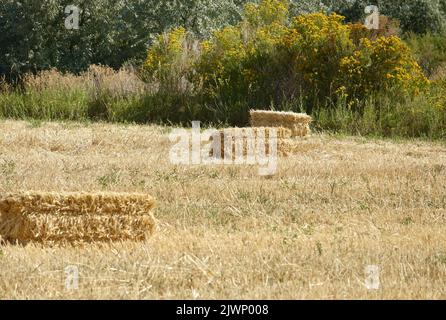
(120, 96)
(384, 117)
(97, 94)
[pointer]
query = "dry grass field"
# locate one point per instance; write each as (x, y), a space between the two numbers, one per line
(225, 232)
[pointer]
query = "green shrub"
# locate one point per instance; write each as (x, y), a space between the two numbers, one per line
(383, 115)
(430, 51)
(269, 59)
(33, 36)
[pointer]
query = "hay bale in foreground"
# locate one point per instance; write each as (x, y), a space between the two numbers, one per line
(250, 136)
(298, 123)
(75, 217)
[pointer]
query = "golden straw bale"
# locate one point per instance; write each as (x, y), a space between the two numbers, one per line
(279, 116)
(300, 130)
(281, 132)
(298, 123)
(75, 217)
(251, 136)
(285, 147)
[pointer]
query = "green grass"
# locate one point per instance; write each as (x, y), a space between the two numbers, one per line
(381, 116)
(45, 105)
(419, 117)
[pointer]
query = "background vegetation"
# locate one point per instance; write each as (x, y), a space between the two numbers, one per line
(33, 36)
(175, 61)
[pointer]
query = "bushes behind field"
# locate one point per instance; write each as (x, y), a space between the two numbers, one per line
(348, 78)
(112, 32)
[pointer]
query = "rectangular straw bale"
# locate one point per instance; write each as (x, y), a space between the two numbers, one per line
(298, 123)
(75, 217)
(281, 134)
(279, 116)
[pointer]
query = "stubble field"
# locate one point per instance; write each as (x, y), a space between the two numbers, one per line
(338, 206)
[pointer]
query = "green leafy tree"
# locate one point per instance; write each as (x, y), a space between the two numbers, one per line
(33, 36)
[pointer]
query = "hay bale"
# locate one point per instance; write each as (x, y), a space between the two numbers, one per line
(275, 117)
(286, 147)
(75, 217)
(281, 132)
(298, 123)
(250, 136)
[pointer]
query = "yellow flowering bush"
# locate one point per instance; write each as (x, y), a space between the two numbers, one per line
(220, 63)
(165, 52)
(228, 66)
(170, 59)
(315, 45)
(392, 64)
(272, 58)
(266, 13)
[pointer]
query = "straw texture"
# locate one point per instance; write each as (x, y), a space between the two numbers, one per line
(251, 136)
(75, 217)
(298, 123)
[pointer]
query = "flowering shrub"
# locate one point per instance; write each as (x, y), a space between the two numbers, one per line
(236, 58)
(270, 58)
(315, 45)
(220, 63)
(170, 59)
(391, 65)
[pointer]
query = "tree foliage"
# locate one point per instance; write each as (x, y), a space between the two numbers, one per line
(33, 36)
